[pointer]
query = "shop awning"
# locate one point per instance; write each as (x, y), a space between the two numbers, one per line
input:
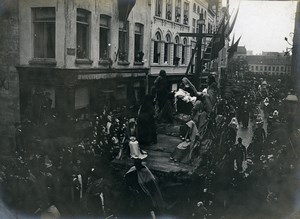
(125, 7)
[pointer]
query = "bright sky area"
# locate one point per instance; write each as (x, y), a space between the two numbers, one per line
(264, 24)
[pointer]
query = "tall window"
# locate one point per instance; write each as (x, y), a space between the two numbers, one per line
(270, 68)
(198, 10)
(83, 33)
(44, 32)
(169, 9)
(167, 49)
(194, 7)
(138, 43)
(104, 36)
(123, 41)
(186, 13)
(157, 45)
(158, 7)
(183, 52)
(175, 52)
(177, 10)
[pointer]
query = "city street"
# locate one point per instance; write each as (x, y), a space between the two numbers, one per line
(161, 109)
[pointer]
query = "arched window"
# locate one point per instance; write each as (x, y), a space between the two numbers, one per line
(176, 52)
(167, 49)
(198, 9)
(204, 15)
(194, 7)
(156, 50)
(183, 52)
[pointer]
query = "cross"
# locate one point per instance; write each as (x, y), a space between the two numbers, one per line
(200, 35)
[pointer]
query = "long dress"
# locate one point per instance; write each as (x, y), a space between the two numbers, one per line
(182, 153)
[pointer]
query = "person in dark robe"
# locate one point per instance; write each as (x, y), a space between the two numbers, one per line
(259, 137)
(240, 154)
(245, 115)
(146, 128)
(161, 86)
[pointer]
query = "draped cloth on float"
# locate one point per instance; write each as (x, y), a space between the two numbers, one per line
(125, 7)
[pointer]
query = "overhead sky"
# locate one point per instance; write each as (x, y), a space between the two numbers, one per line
(264, 24)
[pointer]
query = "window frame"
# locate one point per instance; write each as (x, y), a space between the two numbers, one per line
(87, 25)
(178, 11)
(108, 36)
(183, 51)
(167, 49)
(140, 33)
(45, 23)
(158, 8)
(157, 43)
(123, 55)
(169, 10)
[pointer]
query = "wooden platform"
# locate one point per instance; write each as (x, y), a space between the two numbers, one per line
(158, 160)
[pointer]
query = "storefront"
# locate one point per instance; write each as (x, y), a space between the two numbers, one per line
(78, 92)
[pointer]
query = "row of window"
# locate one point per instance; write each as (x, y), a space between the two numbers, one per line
(44, 36)
(269, 68)
(177, 7)
(166, 46)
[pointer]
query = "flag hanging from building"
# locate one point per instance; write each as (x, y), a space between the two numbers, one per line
(216, 44)
(233, 48)
(125, 7)
(230, 28)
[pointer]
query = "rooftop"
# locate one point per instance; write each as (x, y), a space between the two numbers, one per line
(268, 60)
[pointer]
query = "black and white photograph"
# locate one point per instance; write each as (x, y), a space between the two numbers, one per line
(149, 109)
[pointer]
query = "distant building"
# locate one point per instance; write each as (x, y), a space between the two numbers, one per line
(269, 64)
(249, 52)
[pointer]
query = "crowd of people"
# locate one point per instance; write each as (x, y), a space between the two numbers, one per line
(79, 173)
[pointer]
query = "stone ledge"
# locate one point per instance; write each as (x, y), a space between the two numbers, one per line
(51, 62)
(123, 63)
(83, 61)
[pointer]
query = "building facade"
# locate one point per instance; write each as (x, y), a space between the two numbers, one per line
(271, 65)
(83, 55)
(168, 50)
(9, 83)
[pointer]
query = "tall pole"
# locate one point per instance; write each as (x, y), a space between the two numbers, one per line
(199, 53)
